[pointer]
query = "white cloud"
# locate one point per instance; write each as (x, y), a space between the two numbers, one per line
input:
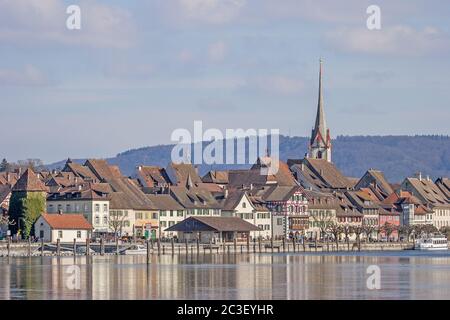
(217, 51)
(35, 21)
(401, 40)
(28, 76)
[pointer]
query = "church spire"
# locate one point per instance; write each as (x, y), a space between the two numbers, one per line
(320, 117)
(320, 144)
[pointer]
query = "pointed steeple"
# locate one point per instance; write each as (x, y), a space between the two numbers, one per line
(320, 144)
(321, 125)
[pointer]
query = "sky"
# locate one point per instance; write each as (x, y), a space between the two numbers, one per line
(137, 70)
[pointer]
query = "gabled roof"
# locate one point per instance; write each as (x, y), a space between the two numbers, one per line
(220, 177)
(218, 224)
(102, 169)
(79, 170)
(151, 176)
(320, 173)
(444, 185)
(181, 172)
(427, 191)
(29, 181)
(233, 198)
(67, 221)
(164, 202)
(194, 197)
(127, 195)
(375, 178)
(281, 193)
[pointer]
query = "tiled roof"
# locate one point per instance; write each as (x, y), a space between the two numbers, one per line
(194, 197)
(220, 177)
(67, 221)
(214, 223)
(427, 191)
(164, 202)
(153, 176)
(280, 193)
(182, 172)
(328, 172)
(29, 181)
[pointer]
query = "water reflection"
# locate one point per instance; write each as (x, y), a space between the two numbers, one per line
(404, 275)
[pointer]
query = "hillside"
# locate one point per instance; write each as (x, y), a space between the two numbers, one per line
(397, 156)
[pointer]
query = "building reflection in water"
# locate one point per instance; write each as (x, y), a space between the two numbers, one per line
(228, 276)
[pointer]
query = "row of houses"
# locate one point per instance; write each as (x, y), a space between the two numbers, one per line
(302, 198)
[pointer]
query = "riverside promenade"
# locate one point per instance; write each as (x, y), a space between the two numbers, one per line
(24, 249)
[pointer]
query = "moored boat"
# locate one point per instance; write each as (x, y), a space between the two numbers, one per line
(432, 242)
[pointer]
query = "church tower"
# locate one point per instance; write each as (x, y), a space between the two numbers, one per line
(320, 144)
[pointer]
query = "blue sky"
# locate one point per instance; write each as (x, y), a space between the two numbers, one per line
(137, 70)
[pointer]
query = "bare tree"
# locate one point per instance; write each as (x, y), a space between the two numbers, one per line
(323, 222)
(369, 230)
(358, 230)
(347, 230)
(116, 223)
(336, 230)
(388, 229)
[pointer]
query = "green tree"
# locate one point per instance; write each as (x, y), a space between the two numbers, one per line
(25, 209)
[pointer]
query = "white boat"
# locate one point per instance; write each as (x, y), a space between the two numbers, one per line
(432, 242)
(135, 249)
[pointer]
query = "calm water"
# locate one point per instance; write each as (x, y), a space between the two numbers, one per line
(404, 275)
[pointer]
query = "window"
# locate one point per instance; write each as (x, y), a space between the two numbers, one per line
(180, 213)
(138, 215)
(97, 220)
(163, 224)
(50, 208)
(155, 215)
(171, 223)
(279, 221)
(105, 207)
(97, 207)
(77, 208)
(67, 207)
(86, 208)
(60, 234)
(78, 234)
(171, 213)
(244, 205)
(41, 234)
(163, 214)
(126, 213)
(105, 220)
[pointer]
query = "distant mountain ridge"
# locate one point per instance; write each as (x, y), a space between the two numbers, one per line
(397, 156)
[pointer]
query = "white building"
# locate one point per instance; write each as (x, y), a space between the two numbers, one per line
(239, 204)
(65, 227)
(91, 200)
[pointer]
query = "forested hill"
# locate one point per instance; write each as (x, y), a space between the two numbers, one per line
(397, 156)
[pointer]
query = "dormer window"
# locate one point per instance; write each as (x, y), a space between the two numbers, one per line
(244, 205)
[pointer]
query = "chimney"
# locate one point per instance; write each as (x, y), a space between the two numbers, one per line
(79, 187)
(302, 167)
(321, 172)
(139, 168)
(419, 175)
(428, 178)
(225, 193)
(251, 186)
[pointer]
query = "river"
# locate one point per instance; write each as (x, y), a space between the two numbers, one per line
(403, 275)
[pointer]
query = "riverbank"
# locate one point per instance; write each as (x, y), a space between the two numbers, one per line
(163, 248)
